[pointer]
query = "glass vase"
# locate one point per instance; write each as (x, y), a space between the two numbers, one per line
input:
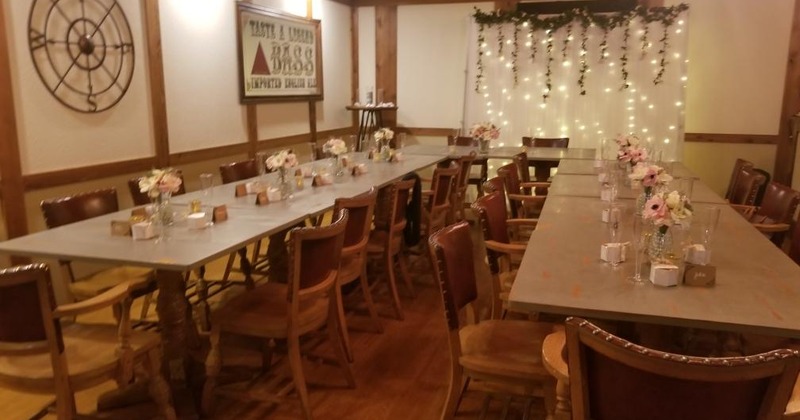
(483, 146)
(659, 248)
(284, 185)
(163, 209)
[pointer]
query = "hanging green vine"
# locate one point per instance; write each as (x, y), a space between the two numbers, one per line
(584, 60)
(567, 39)
(605, 21)
(481, 41)
(514, 54)
(643, 39)
(548, 82)
(623, 59)
(501, 38)
(534, 42)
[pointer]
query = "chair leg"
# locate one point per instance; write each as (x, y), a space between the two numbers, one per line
(148, 299)
(266, 356)
(213, 367)
(228, 267)
(373, 312)
(402, 262)
(550, 397)
(204, 310)
(342, 323)
(159, 389)
(65, 401)
(296, 364)
(339, 346)
(457, 385)
(389, 259)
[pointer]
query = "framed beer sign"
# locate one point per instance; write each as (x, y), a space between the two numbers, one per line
(280, 55)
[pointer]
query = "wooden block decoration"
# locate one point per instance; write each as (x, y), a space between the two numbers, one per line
(262, 199)
(241, 190)
(220, 214)
(139, 212)
(699, 275)
(298, 172)
(120, 228)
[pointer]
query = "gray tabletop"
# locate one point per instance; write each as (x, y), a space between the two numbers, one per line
(534, 153)
(589, 186)
(756, 291)
(91, 240)
(587, 167)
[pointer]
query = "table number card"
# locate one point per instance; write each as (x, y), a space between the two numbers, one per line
(120, 228)
(700, 275)
(140, 212)
(262, 199)
(241, 190)
(220, 214)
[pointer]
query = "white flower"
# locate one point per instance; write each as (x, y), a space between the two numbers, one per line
(673, 200)
(282, 159)
(159, 181)
(384, 134)
(335, 147)
(485, 131)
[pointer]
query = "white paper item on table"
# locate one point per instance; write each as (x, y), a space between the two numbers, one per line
(196, 220)
(274, 194)
(606, 194)
(664, 275)
(252, 187)
(143, 230)
(613, 252)
(602, 177)
(698, 254)
(599, 163)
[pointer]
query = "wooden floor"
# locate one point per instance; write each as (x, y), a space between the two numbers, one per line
(400, 374)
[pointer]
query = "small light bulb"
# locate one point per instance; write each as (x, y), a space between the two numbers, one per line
(566, 64)
(608, 90)
(679, 103)
(528, 44)
(562, 88)
(644, 130)
(678, 31)
(484, 45)
(500, 114)
(672, 127)
(676, 55)
(542, 105)
(650, 106)
(489, 112)
(666, 141)
(488, 103)
(527, 79)
(488, 53)
(611, 64)
(654, 62)
(508, 42)
(524, 24)
(684, 78)
(680, 22)
(505, 90)
(502, 58)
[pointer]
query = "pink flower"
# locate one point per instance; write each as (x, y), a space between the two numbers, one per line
(623, 155)
(650, 178)
(638, 154)
(656, 209)
(169, 183)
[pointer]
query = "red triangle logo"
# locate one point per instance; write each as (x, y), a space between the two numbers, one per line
(260, 66)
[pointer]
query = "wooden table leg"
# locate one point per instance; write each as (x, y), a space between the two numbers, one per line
(182, 350)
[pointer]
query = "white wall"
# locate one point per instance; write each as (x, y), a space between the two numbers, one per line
(431, 63)
(366, 52)
(337, 57)
(52, 136)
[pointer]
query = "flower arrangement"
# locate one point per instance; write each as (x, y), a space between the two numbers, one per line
(650, 176)
(284, 159)
(630, 149)
(335, 147)
(159, 181)
(667, 209)
(384, 135)
(485, 131)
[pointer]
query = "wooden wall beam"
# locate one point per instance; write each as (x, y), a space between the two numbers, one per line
(787, 146)
(312, 103)
(508, 5)
(13, 203)
(354, 74)
(730, 138)
(251, 119)
(386, 58)
(155, 69)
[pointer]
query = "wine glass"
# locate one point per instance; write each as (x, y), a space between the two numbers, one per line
(710, 219)
(638, 245)
(614, 219)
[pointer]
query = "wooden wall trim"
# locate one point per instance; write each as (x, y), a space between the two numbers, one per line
(155, 70)
(386, 58)
(731, 138)
(86, 173)
(787, 146)
(354, 73)
(251, 119)
(427, 131)
(13, 203)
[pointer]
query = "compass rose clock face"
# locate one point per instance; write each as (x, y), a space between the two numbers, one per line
(82, 50)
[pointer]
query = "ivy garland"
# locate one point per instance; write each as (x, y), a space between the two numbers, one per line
(514, 54)
(623, 59)
(584, 61)
(567, 39)
(605, 21)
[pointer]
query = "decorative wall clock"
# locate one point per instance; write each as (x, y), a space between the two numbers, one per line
(82, 51)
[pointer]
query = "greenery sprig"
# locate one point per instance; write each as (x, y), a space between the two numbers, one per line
(623, 59)
(514, 54)
(481, 41)
(534, 42)
(548, 75)
(605, 21)
(567, 39)
(584, 61)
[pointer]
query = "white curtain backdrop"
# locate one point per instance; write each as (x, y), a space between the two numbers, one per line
(654, 112)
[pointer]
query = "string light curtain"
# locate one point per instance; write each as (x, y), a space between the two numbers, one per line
(583, 76)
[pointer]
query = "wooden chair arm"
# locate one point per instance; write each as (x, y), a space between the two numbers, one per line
(103, 300)
(771, 227)
(523, 197)
(427, 193)
(510, 249)
(522, 222)
(746, 211)
(540, 184)
(553, 356)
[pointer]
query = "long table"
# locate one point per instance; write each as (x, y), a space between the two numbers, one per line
(589, 186)
(507, 152)
(757, 285)
(186, 249)
(587, 167)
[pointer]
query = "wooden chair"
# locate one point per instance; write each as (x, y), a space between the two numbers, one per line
(482, 163)
(498, 355)
(794, 247)
(43, 352)
(737, 170)
(305, 304)
(74, 208)
(522, 206)
(386, 240)
(459, 195)
(502, 254)
(235, 172)
(774, 216)
(612, 378)
(748, 183)
(437, 202)
(142, 199)
(541, 168)
(353, 264)
(238, 171)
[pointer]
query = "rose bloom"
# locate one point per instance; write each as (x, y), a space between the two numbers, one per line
(169, 183)
(637, 154)
(623, 155)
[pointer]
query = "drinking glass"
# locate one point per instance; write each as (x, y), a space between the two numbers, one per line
(638, 244)
(261, 162)
(709, 218)
(684, 186)
(614, 219)
(206, 182)
(400, 142)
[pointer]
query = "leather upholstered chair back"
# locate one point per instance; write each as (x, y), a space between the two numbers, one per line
(141, 199)
(26, 301)
(451, 251)
(314, 254)
(737, 169)
(237, 171)
(611, 378)
(562, 142)
(82, 206)
(748, 182)
(360, 211)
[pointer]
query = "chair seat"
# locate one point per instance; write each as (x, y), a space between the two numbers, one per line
(99, 282)
(264, 312)
(505, 348)
(91, 351)
(350, 267)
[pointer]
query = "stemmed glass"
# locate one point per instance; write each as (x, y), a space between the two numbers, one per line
(614, 219)
(638, 244)
(709, 225)
(206, 182)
